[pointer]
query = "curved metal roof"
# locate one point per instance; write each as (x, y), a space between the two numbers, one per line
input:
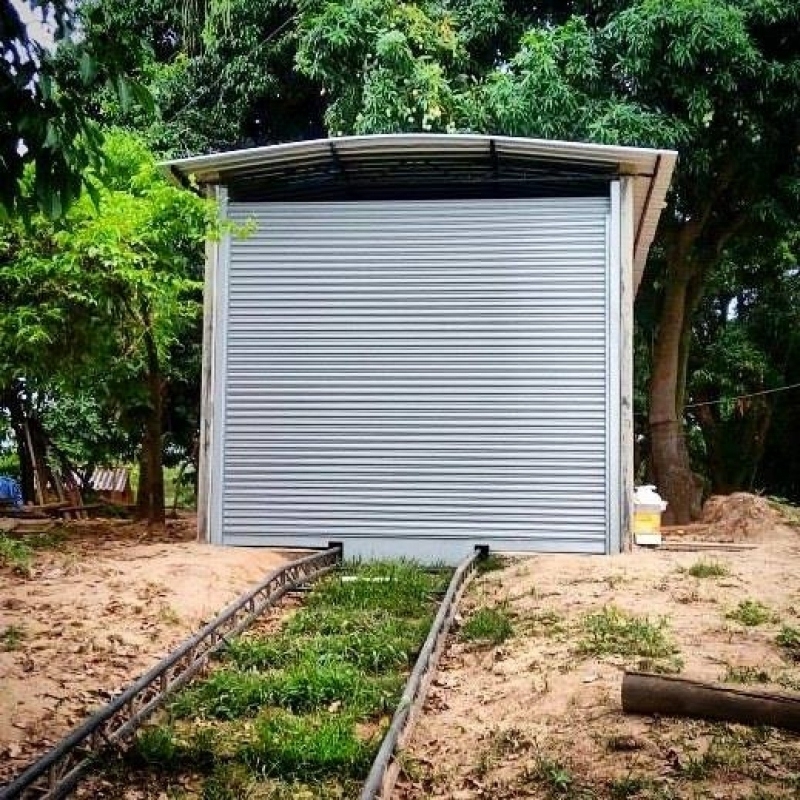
(411, 161)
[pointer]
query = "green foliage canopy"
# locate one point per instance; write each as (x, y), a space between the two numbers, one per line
(82, 294)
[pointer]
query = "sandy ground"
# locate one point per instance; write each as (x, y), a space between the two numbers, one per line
(536, 718)
(96, 612)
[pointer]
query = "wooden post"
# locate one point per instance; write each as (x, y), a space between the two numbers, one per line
(38, 484)
(643, 693)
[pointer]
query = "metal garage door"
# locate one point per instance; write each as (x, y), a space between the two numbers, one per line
(418, 377)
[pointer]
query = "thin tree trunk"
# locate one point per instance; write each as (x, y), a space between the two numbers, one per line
(670, 456)
(143, 496)
(153, 427)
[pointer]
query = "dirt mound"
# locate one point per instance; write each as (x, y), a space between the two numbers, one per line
(740, 516)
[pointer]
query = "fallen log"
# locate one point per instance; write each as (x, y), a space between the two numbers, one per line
(692, 546)
(645, 693)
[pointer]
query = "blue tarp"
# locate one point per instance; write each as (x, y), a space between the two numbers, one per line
(10, 490)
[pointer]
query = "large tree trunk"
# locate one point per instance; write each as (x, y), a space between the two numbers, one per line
(670, 457)
(150, 499)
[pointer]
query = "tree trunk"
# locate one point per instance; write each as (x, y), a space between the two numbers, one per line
(670, 457)
(150, 499)
(143, 495)
(155, 455)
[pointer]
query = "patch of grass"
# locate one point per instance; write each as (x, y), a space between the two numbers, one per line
(629, 786)
(501, 743)
(168, 615)
(612, 631)
(789, 511)
(728, 750)
(789, 640)
(382, 645)
(492, 563)
(158, 746)
(229, 782)
(15, 554)
(669, 665)
(751, 613)
(307, 748)
(400, 587)
(488, 625)
(546, 623)
(745, 675)
(229, 694)
(553, 775)
(299, 713)
(11, 637)
(47, 540)
(695, 768)
(708, 569)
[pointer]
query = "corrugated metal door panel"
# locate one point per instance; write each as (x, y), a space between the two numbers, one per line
(418, 377)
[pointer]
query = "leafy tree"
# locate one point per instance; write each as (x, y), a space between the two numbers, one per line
(42, 119)
(746, 338)
(719, 80)
(107, 296)
(221, 74)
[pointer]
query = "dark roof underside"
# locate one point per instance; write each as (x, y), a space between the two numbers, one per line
(335, 176)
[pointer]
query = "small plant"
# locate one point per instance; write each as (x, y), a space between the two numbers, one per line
(553, 775)
(168, 615)
(751, 613)
(492, 563)
(789, 511)
(12, 637)
(629, 786)
(708, 569)
(745, 675)
(492, 625)
(547, 623)
(670, 665)
(15, 554)
(696, 768)
(789, 640)
(157, 746)
(615, 632)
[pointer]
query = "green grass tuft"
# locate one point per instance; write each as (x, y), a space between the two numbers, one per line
(745, 675)
(15, 554)
(615, 632)
(553, 775)
(751, 613)
(492, 563)
(11, 637)
(708, 569)
(307, 748)
(399, 587)
(229, 693)
(789, 640)
(378, 645)
(492, 625)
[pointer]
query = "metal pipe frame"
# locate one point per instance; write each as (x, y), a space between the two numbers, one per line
(57, 773)
(383, 774)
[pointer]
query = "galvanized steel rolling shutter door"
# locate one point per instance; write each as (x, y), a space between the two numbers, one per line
(417, 377)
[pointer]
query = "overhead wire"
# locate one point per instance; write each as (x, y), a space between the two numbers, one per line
(743, 396)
